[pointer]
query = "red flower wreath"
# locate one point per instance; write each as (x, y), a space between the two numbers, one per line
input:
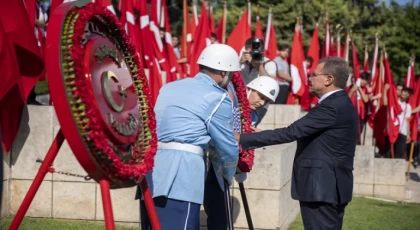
(100, 147)
(246, 157)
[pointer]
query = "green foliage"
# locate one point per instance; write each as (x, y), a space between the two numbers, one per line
(397, 26)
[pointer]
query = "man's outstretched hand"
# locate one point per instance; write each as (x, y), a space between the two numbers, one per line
(256, 130)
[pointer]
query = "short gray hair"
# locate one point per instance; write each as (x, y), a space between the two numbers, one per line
(338, 68)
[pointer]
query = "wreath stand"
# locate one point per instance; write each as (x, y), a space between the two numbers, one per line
(60, 29)
(105, 191)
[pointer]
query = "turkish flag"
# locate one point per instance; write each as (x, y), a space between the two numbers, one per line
(201, 39)
(270, 39)
(414, 102)
(296, 64)
(241, 32)
(394, 107)
(18, 34)
(258, 29)
(221, 28)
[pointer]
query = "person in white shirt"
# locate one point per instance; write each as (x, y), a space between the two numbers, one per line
(404, 119)
(251, 68)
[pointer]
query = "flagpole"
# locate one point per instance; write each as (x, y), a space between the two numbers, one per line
(224, 22)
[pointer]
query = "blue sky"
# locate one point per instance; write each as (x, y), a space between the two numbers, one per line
(403, 2)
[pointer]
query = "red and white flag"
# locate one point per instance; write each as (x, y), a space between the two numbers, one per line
(270, 38)
(221, 28)
(393, 108)
(241, 32)
(366, 61)
(258, 29)
(296, 64)
(201, 40)
(409, 80)
(18, 35)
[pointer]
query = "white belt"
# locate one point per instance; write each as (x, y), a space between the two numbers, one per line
(180, 146)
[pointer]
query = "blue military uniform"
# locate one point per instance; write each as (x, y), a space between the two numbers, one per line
(214, 203)
(189, 113)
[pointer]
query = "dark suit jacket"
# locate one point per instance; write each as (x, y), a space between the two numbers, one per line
(326, 141)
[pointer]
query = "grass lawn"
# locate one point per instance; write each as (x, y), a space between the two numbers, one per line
(364, 213)
(361, 213)
(51, 224)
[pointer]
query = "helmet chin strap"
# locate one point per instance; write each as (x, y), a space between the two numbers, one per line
(225, 81)
(248, 93)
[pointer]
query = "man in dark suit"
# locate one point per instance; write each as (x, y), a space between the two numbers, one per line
(322, 178)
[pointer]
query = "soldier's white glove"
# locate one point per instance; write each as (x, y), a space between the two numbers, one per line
(240, 178)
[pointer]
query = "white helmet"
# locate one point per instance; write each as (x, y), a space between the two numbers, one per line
(267, 86)
(220, 57)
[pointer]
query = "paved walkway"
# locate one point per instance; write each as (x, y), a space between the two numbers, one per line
(412, 188)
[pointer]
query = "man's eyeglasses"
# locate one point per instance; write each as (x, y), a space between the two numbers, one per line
(314, 75)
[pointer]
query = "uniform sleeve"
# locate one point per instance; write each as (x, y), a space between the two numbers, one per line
(221, 132)
(271, 68)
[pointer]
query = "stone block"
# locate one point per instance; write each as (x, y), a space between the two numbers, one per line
(40, 206)
(125, 208)
(264, 207)
(74, 200)
(390, 171)
(369, 135)
(67, 162)
(390, 192)
(363, 189)
(5, 204)
(291, 218)
(286, 114)
(33, 141)
(271, 167)
(269, 117)
(286, 204)
(6, 165)
(364, 164)
(266, 126)
(286, 163)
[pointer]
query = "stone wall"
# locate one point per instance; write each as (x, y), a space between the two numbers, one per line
(378, 177)
(68, 197)
(267, 187)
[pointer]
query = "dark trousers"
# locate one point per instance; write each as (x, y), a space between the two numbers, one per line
(172, 214)
(214, 203)
(322, 216)
(399, 146)
(283, 94)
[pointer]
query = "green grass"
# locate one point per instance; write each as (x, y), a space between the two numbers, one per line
(41, 88)
(364, 213)
(361, 213)
(51, 224)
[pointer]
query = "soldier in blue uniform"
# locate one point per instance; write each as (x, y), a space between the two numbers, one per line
(260, 92)
(189, 113)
